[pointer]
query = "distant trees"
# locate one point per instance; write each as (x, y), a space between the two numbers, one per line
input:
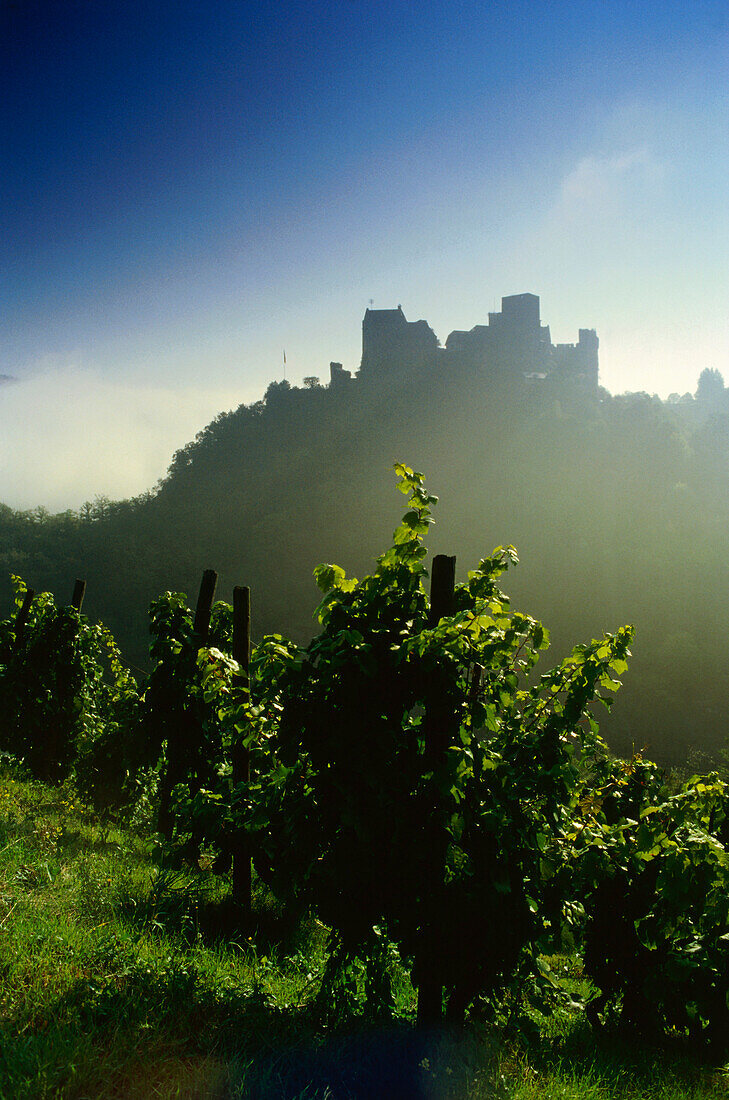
(624, 495)
(91, 511)
(711, 392)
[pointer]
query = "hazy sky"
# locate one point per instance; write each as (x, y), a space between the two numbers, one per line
(188, 188)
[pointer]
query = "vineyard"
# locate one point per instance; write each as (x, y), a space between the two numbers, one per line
(411, 785)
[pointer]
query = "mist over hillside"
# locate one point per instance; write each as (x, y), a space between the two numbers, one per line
(617, 506)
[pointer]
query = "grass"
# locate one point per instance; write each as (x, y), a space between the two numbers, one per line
(123, 981)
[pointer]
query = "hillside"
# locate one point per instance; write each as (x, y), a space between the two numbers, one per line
(617, 507)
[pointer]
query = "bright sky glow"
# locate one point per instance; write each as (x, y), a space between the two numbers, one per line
(188, 189)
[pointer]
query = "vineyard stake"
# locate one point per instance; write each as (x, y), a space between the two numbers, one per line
(201, 626)
(437, 731)
(79, 591)
(442, 587)
(200, 631)
(241, 755)
(182, 749)
(21, 620)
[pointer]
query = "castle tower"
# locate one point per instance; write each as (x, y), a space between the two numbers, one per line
(392, 345)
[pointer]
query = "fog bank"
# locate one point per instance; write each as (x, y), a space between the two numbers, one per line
(67, 435)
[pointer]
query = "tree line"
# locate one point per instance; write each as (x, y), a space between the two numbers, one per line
(618, 505)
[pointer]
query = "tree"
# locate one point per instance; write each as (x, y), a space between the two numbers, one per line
(710, 391)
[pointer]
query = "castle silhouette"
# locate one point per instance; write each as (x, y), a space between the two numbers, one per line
(513, 345)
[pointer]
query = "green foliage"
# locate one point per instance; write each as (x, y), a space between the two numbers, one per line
(231, 713)
(652, 868)
(441, 806)
(616, 494)
(180, 722)
(65, 696)
(116, 982)
(418, 779)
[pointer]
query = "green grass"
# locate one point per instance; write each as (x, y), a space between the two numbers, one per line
(121, 980)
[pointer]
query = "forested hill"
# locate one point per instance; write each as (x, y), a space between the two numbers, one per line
(618, 507)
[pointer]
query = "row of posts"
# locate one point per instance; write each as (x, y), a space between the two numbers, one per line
(437, 738)
(241, 757)
(442, 590)
(21, 619)
(242, 654)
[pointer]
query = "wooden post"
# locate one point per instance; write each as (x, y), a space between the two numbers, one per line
(192, 735)
(79, 591)
(437, 732)
(21, 620)
(442, 587)
(183, 746)
(201, 625)
(241, 755)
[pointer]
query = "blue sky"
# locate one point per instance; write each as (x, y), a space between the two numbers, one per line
(187, 189)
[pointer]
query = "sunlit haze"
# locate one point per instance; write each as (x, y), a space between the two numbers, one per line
(188, 190)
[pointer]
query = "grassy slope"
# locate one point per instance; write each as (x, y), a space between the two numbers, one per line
(121, 980)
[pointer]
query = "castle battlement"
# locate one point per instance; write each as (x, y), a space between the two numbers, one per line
(514, 344)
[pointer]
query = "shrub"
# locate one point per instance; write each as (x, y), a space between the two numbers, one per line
(66, 699)
(417, 783)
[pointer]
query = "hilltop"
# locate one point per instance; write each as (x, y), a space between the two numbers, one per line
(619, 501)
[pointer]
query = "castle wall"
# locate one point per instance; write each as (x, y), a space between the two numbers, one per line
(514, 345)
